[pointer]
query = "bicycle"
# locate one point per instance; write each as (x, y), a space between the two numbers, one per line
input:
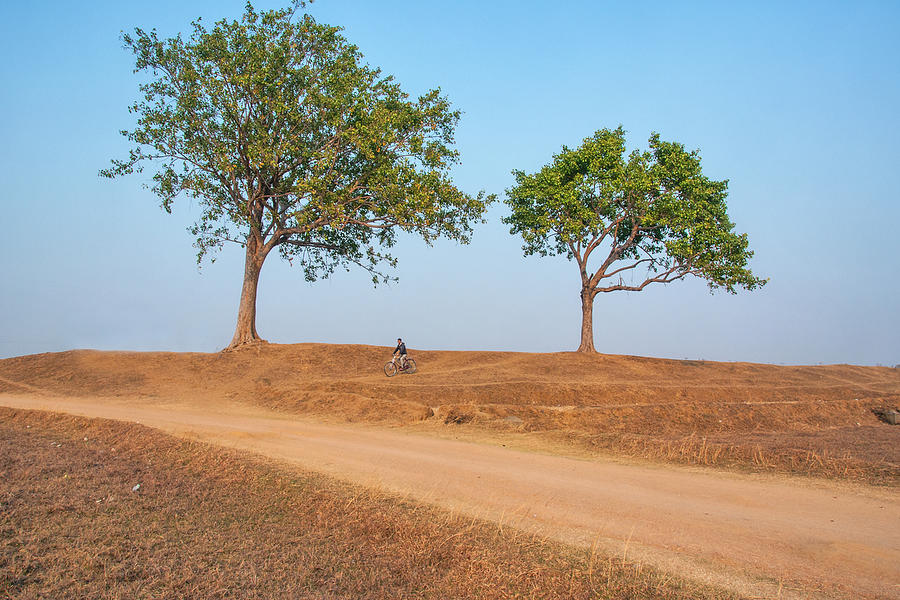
(392, 368)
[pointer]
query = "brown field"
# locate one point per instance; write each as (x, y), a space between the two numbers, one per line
(813, 420)
(208, 522)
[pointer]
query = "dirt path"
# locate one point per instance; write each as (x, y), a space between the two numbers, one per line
(764, 537)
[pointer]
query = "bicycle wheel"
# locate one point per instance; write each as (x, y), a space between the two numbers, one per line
(410, 366)
(390, 369)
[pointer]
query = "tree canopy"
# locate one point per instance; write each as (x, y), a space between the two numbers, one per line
(287, 140)
(629, 219)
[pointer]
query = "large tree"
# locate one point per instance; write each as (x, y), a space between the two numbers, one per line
(629, 220)
(287, 140)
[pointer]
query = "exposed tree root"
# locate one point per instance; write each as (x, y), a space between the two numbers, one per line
(245, 345)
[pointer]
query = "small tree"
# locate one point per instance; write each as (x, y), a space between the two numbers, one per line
(286, 140)
(650, 217)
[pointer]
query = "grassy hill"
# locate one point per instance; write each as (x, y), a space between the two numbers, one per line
(808, 419)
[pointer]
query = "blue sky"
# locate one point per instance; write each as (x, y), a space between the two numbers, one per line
(794, 103)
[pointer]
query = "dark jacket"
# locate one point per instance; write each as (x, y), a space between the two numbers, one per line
(401, 348)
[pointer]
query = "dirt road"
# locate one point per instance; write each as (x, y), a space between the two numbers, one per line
(762, 536)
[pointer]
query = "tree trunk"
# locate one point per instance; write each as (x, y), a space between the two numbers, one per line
(587, 322)
(245, 332)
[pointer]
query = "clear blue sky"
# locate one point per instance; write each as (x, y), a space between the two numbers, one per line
(795, 103)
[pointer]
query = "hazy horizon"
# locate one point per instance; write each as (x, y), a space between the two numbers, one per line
(794, 105)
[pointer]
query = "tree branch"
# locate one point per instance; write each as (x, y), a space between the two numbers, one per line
(673, 274)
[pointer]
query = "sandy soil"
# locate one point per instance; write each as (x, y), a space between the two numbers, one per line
(762, 536)
(813, 420)
(577, 392)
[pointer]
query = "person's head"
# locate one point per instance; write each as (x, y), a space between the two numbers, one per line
(399, 340)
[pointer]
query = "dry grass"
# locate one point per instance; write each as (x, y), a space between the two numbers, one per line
(212, 523)
(867, 453)
(817, 421)
(834, 455)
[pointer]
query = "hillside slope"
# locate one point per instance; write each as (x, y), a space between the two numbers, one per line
(625, 390)
(613, 402)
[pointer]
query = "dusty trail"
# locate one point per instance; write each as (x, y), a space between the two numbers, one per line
(762, 536)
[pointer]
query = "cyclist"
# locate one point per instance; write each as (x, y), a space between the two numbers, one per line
(400, 352)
